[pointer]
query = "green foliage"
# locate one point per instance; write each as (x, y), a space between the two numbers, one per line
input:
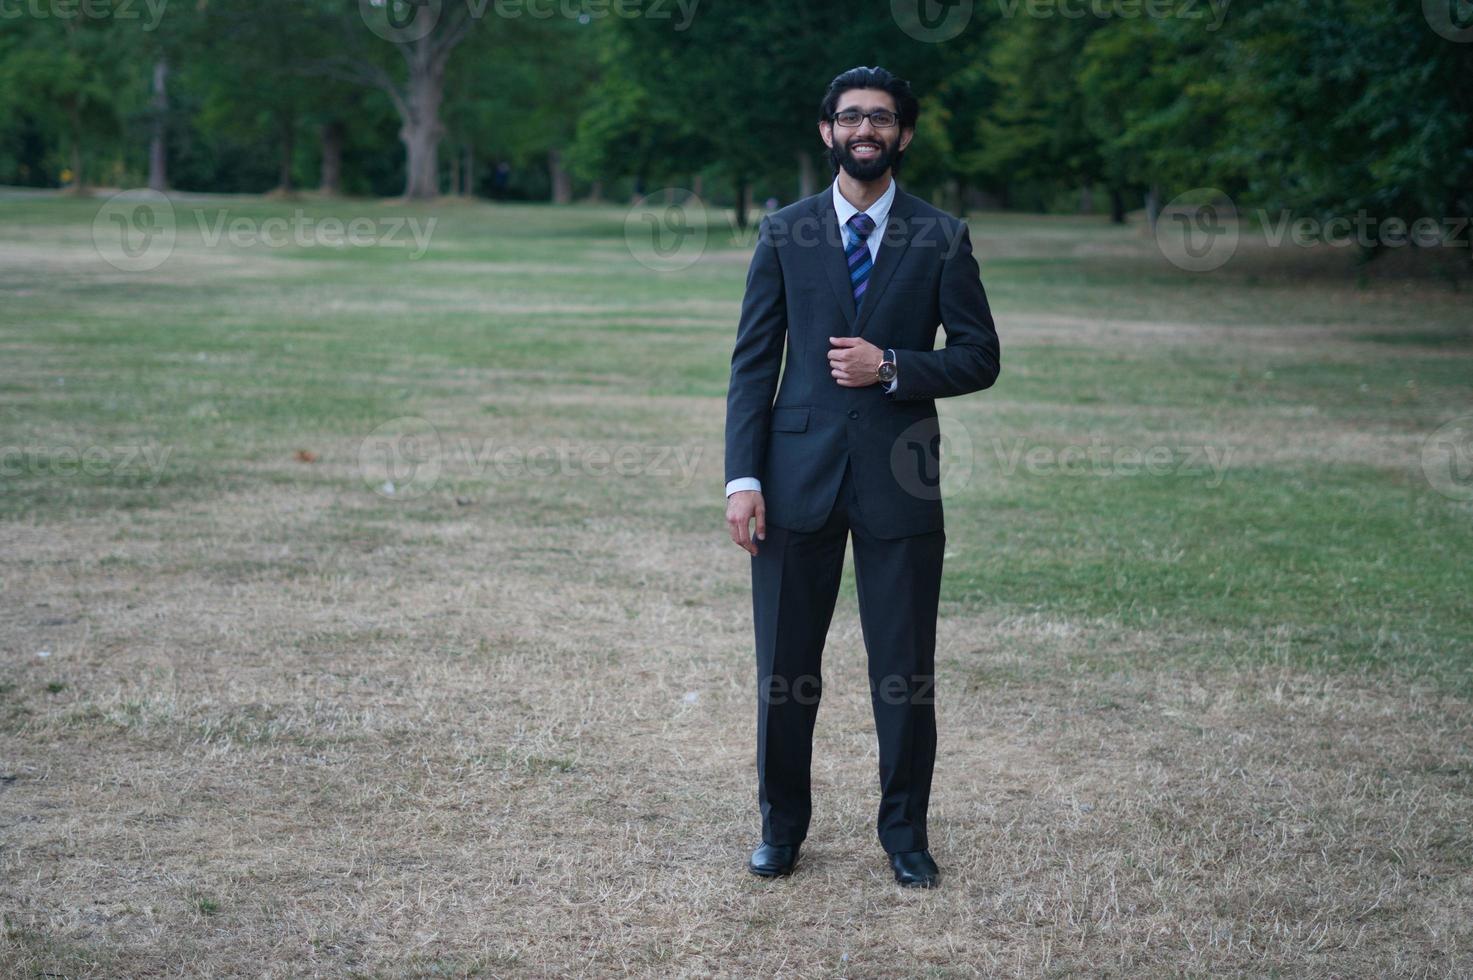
(252, 87)
(65, 78)
(518, 92)
(1350, 104)
(1037, 128)
(1319, 107)
(628, 130)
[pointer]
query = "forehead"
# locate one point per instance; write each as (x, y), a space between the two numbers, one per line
(868, 99)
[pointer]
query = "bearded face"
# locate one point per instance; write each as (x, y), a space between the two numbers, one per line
(866, 151)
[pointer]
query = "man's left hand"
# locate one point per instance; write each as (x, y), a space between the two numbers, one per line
(853, 361)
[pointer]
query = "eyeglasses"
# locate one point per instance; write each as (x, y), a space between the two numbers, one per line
(881, 118)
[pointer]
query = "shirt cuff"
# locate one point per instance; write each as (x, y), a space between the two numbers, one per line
(743, 483)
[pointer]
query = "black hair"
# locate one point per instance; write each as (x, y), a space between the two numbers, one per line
(907, 107)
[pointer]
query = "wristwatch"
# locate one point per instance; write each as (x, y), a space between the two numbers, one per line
(886, 371)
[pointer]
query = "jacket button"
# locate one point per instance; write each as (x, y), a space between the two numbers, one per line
(853, 414)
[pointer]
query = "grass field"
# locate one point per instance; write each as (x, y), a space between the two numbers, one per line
(1204, 699)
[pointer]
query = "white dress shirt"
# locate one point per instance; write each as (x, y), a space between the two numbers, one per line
(879, 213)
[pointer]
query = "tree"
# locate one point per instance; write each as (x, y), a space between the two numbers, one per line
(65, 73)
(519, 96)
(250, 66)
(1151, 97)
(424, 35)
(631, 131)
(1351, 105)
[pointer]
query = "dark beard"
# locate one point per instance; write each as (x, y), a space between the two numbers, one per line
(839, 156)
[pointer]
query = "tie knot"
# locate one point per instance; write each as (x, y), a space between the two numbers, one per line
(862, 224)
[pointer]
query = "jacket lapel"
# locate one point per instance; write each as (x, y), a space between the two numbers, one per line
(834, 263)
(899, 230)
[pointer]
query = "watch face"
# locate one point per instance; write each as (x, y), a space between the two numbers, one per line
(887, 371)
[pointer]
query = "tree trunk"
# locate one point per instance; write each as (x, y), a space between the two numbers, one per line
(1153, 205)
(331, 181)
(421, 143)
(1087, 199)
(468, 171)
(455, 174)
(421, 130)
(1117, 206)
(807, 180)
(74, 114)
(418, 100)
(288, 127)
(596, 192)
(743, 192)
(79, 185)
(698, 185)
(158, 158)
(562, 181)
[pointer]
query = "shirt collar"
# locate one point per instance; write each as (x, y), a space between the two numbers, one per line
(878, 211)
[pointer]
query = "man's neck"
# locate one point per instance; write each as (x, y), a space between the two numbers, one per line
(861, 193)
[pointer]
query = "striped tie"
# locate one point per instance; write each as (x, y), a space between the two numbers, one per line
(857, 252)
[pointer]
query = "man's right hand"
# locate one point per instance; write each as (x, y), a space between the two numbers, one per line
(742, 508)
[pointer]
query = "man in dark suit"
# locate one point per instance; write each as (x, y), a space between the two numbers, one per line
(853, 283)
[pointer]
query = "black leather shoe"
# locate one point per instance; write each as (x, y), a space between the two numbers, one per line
(773, 860)
(915, 869)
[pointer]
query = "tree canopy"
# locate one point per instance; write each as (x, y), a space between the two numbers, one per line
(1316, 106)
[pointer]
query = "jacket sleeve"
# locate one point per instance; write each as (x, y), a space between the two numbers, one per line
(972, 357)
(756, 361)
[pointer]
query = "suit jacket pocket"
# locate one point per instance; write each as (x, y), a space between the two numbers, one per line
(790, 420)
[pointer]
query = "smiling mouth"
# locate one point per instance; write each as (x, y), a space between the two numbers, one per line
(865, 149)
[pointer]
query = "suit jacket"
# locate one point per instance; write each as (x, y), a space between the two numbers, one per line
(797, 436)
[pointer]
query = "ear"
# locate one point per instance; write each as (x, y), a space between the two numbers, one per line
(826, 132)
(906, 135)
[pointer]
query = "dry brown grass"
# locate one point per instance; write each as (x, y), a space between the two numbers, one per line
(474, 746)
(291, 731)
